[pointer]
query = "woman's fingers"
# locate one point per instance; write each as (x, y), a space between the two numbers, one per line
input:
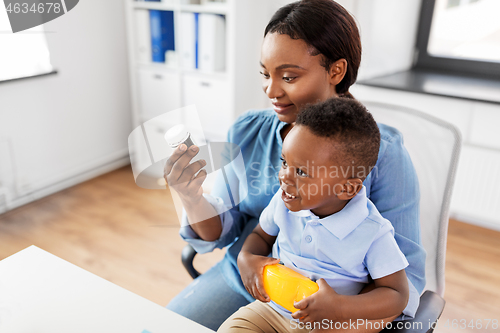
(182, 162)
(176, 167)
(197, 181)
(173, 158)
(189, 172)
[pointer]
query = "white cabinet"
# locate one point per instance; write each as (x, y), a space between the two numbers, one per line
(212, 103)
(220, 95)
(159, 92)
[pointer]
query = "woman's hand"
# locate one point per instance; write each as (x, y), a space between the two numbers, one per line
(180, 175)
(323, 304)
(251, 270)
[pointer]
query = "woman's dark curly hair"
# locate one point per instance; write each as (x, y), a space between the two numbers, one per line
(350, 126)
(328, 28)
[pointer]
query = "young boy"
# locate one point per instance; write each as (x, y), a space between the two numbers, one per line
(322, 225)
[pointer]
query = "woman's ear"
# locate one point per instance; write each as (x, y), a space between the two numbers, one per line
(337, 71)
(350, 188)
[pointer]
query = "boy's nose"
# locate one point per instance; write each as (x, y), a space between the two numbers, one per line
(286, 176)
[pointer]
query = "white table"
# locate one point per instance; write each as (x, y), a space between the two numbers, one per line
(41, 293)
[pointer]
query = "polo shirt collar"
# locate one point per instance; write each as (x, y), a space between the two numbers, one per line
(344, 222)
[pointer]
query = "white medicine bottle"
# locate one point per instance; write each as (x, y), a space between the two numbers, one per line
(178, 135)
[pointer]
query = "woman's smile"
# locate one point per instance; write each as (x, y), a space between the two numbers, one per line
(282, 108)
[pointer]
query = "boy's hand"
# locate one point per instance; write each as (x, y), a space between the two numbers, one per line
(252, 269)
(323, 304)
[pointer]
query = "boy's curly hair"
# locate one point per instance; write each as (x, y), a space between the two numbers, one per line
(351, 127)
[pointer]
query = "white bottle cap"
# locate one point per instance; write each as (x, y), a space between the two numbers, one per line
(176, 135)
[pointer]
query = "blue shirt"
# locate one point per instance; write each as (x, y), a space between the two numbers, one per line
(392, 186)
(343, 248)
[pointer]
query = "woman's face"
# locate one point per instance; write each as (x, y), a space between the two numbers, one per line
(292, 77)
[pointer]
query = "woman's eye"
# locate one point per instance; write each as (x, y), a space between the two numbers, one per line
(301, 173)
(288, 79)
(265, 75)
(283, 162)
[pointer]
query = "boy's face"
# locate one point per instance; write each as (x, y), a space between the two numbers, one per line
(310, 177)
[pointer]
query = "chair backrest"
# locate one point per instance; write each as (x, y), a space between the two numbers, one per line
(434, 148)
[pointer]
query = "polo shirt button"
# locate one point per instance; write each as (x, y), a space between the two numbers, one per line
(309, 238)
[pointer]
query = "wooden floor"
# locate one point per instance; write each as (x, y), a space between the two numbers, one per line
(129, 236)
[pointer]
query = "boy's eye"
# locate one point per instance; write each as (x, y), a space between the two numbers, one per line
(301, 173)
(283, 162)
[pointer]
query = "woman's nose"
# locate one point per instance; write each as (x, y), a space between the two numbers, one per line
(272, 89)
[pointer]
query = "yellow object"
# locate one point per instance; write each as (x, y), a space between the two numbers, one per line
(285, 286)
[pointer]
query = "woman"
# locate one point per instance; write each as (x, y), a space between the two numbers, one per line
(311, 52)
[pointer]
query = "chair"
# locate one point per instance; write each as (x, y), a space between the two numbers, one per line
(434, 147)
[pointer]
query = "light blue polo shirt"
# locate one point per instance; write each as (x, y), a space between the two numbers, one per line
(343, 248)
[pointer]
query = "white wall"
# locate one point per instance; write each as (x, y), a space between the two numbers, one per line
(388, 31)
(72, 126)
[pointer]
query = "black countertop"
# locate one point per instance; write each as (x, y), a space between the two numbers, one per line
(464, 86)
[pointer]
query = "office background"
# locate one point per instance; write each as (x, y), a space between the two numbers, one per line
(71, 127)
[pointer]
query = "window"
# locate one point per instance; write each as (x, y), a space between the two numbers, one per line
(22, 54)
(460, 36)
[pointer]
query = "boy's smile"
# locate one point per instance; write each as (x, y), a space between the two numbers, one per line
(310, 176)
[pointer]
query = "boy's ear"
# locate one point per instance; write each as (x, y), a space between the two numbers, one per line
(350, 188)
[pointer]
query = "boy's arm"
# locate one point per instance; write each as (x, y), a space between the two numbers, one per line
(258, 242)
(253, 258)
(387, 299)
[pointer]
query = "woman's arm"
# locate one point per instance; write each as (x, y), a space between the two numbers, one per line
(181, 176)
(228, 220)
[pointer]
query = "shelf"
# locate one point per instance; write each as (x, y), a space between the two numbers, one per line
(216, 75)
(161, 67)
(210, 9)
(157, 66)
(153, 5)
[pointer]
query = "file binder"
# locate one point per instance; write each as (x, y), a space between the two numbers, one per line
(212, 42)
(162, 33)
(188, 41)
